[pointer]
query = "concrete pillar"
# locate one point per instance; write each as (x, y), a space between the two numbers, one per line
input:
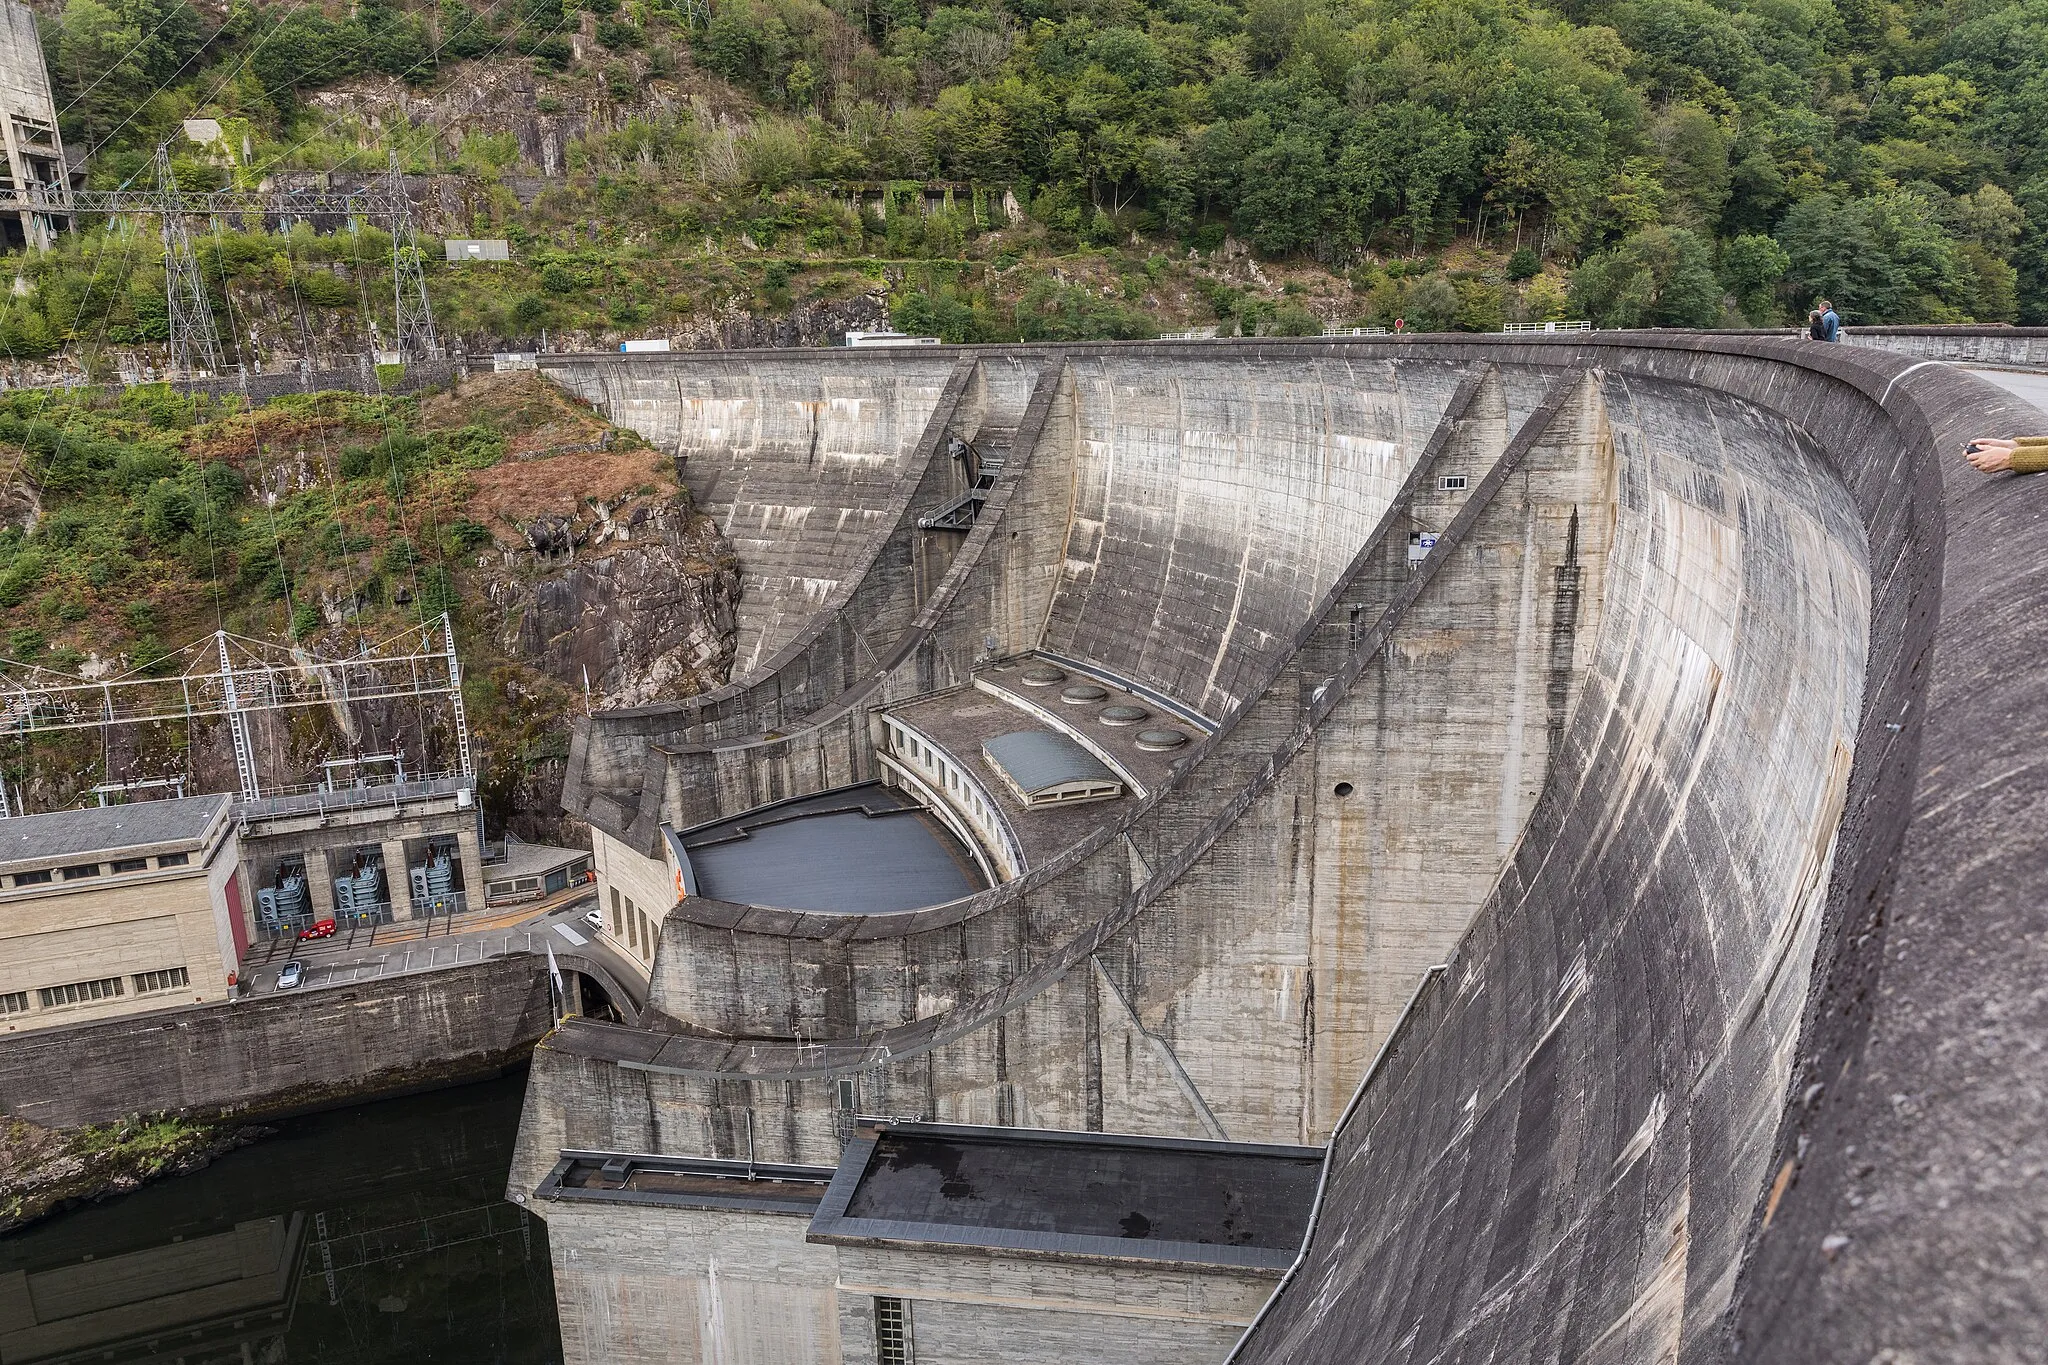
(469, 851)
(250, 924)
(319, 884)
(397, 880)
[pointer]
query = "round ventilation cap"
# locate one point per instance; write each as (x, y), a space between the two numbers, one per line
(1041, 676)
(1161, 739)
(1081, 693)
(1122, 715)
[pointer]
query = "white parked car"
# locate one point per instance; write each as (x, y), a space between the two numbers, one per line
(595, 919)
(293, 973)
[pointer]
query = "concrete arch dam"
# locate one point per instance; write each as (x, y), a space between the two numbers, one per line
(1581, 782)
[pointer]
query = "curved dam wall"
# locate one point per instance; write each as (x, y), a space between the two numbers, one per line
(1653, 707)
(1215, 500)
(1582, 1144)
(750, 445)
(800, 463)
(1625, 1008)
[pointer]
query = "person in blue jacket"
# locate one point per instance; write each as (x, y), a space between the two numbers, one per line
(1830, 322)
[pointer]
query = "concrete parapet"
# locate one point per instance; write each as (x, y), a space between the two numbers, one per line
(2019, 348)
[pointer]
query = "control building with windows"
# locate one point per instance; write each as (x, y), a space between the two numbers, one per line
(116, 910)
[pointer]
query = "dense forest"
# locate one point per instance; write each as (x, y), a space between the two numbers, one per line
(1454, 163)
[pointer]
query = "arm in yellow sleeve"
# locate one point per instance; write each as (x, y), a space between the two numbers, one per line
(2030, 455)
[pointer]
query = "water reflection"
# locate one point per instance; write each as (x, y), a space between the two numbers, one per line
(369, 1234)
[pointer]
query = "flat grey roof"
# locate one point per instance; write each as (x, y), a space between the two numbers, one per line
(1036, 760)
(686, 1182)
(1226, 1204)
(105, 830)
(860, 850)
(531, 860)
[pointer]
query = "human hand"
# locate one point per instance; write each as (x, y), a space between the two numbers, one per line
(1989, 454)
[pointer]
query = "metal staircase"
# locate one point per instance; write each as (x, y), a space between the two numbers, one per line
(983, 461)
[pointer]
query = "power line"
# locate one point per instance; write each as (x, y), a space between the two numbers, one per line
(169, 14)
(432, 56)
(161, 87)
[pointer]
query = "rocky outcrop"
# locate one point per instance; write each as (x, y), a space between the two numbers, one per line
(642, 605)
(43, 1171)
(819, 322)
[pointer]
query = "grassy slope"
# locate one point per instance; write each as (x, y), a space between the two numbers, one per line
(162, 516)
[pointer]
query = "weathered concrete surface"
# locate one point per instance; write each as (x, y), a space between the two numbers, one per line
(650, 1285)
(1555, 1163)
(722, 752)
(2020, 347)
(737, 972)
(1684, 839)
(1216, 499)
(2031, 388)
(799, 464)
(275, 1053)
(671, 1284)
(1692, 585)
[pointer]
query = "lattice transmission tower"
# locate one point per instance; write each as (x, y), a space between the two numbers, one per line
(195, 343)
(413, 316)
(228, 676)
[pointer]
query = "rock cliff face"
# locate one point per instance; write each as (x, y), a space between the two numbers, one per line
(817, 322)
(642, 607)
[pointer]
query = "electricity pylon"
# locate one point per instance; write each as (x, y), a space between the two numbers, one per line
(414, 316)
(195, 344)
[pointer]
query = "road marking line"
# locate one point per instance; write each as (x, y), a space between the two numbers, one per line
(566, 932)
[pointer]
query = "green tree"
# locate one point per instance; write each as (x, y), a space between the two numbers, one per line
(168, 512)
(1658, 277)
(1752, 267)
(1878, 259)
(1430, 304)
(1694, 151)
(96, 59)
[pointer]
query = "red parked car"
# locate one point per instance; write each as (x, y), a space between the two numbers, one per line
(322, 928)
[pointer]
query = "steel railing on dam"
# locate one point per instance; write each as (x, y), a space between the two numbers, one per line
(1735, 1052)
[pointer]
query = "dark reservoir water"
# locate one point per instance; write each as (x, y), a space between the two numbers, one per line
(369, 1234)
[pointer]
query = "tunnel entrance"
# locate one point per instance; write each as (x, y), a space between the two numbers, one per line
(589, 998)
